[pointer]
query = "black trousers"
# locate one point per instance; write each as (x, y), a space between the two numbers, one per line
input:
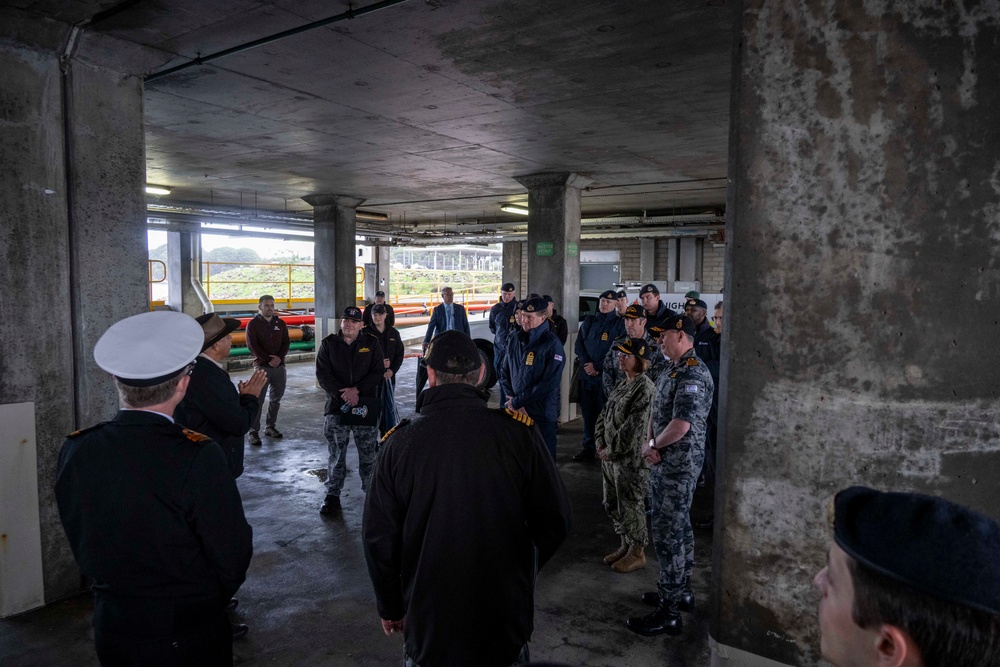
(161, 633)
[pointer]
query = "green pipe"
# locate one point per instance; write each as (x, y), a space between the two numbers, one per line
(300, 345)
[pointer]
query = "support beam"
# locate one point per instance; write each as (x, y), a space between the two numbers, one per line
(861, 290)
(512, 266)
(647, 259)
(334, 227)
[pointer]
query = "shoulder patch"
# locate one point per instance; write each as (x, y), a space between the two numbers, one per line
(393, 429)
(85, 430)
(520, 416)
(692, 361)
(194, 436)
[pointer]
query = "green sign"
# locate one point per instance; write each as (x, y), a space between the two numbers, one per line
(572, 249)
(544, 249)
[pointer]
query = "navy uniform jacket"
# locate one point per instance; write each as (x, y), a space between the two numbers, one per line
(152, 511)
(213, 406)
(439, 321)
(662, 313)
(532, 372)
(461, 497)
(501, 324)
(339, 365)
(597, 333)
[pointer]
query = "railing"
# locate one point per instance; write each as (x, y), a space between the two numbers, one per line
(153, 281)
(288, 281)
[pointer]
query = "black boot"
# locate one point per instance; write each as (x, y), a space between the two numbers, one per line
(686, 602)
(664, 619)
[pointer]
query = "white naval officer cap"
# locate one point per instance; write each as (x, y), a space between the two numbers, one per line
(149, 348)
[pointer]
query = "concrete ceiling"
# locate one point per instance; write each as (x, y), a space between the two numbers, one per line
(429, 108)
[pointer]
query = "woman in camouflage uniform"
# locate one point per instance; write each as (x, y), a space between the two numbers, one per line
(620, 433)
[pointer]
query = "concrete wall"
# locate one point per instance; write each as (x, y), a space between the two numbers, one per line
(863, 288)
(73, 243)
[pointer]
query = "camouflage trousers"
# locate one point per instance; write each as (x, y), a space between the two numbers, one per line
(337, 438)
(671, 490)
(624, 500)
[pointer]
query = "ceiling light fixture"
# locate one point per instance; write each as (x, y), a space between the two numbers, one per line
(157, 190)
(370, 215)
(510, 208)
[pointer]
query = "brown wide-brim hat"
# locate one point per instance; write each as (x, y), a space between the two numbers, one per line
(216, 328)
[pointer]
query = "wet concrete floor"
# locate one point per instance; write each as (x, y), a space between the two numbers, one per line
(308, 600)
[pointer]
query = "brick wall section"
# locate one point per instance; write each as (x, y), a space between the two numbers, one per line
(713, 262)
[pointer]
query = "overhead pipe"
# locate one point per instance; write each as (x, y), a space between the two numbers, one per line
(351, 13)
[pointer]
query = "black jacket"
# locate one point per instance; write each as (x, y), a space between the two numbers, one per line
(460, 498)
(392, 346)
(213, 406)
(390, 315)
(339, 365)
(152, 511)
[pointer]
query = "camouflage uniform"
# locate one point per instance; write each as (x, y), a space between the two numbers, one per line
(612, 374)
(684, 391)
(337, 438)
(622, 429)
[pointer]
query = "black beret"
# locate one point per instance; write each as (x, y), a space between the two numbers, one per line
(931, 544)
(379, 308)
(634, 312)
(696, 302)
(453, 352)
(649, 289)
(535, 304)
(507, 287)
(352, 313)
(635, 346)
(677, 323)
(621, 294)
(548, 299)
(609, 294)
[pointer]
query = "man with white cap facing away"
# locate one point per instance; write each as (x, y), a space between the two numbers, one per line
(151, 509)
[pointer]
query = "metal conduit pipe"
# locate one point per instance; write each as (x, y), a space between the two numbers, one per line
(345, 16)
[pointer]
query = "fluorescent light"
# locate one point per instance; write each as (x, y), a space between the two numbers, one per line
(157, 190)
(371, 215)
(510, 208)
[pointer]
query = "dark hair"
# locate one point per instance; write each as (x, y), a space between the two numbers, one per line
(263, 298)
(472, 377)
(947, 634)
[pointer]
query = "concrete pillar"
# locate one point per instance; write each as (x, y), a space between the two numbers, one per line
(184, 291)
(688, 261)
(554, 239)
(334, 227)
(647, 259)
(671, 276)
(383, 271)
(512, 266)
(73, 235)
(861, 291)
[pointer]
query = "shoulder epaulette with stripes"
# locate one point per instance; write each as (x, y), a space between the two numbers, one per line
(393, 429)
(520, 416)
(194, 436)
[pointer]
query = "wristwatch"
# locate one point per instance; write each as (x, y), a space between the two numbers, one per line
(652, 443)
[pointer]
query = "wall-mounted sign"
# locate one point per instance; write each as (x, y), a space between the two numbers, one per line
(544, 249)
(572, 249)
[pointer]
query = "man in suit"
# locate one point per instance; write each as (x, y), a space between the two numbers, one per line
(447, 316)
(212, 405)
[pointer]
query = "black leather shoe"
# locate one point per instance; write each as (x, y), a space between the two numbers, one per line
(686, 602)
(665, 619)
(330, 505)
(651, 598)
(584, 455)
(232, 604)
(239, 631)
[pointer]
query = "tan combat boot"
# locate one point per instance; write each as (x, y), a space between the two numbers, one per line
(616, 554)
(634, 560)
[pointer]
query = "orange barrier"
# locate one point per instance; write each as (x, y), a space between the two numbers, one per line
(240, 337)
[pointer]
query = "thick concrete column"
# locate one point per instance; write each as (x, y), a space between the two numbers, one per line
(647, 259)
(334, 227)
(72, 237)
(554, 239)
(185, 293)
(512, 266)
(862, 292)
(383, 270)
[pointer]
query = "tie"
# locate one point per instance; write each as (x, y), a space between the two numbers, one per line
(450, 316)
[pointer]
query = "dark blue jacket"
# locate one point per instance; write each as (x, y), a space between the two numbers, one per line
(439, 321)
(532, 371)
(662, 313)
(501, 324)
(596, 335)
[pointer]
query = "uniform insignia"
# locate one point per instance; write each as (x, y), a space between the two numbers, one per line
(365, 349)
(692, 361)
(557, 357)
(604, 336)
(530, 361)
(81, 431)
(511, 320)
(194, 436)
(520, 416)
(393, 430)
(691, 388)
(674, 374)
